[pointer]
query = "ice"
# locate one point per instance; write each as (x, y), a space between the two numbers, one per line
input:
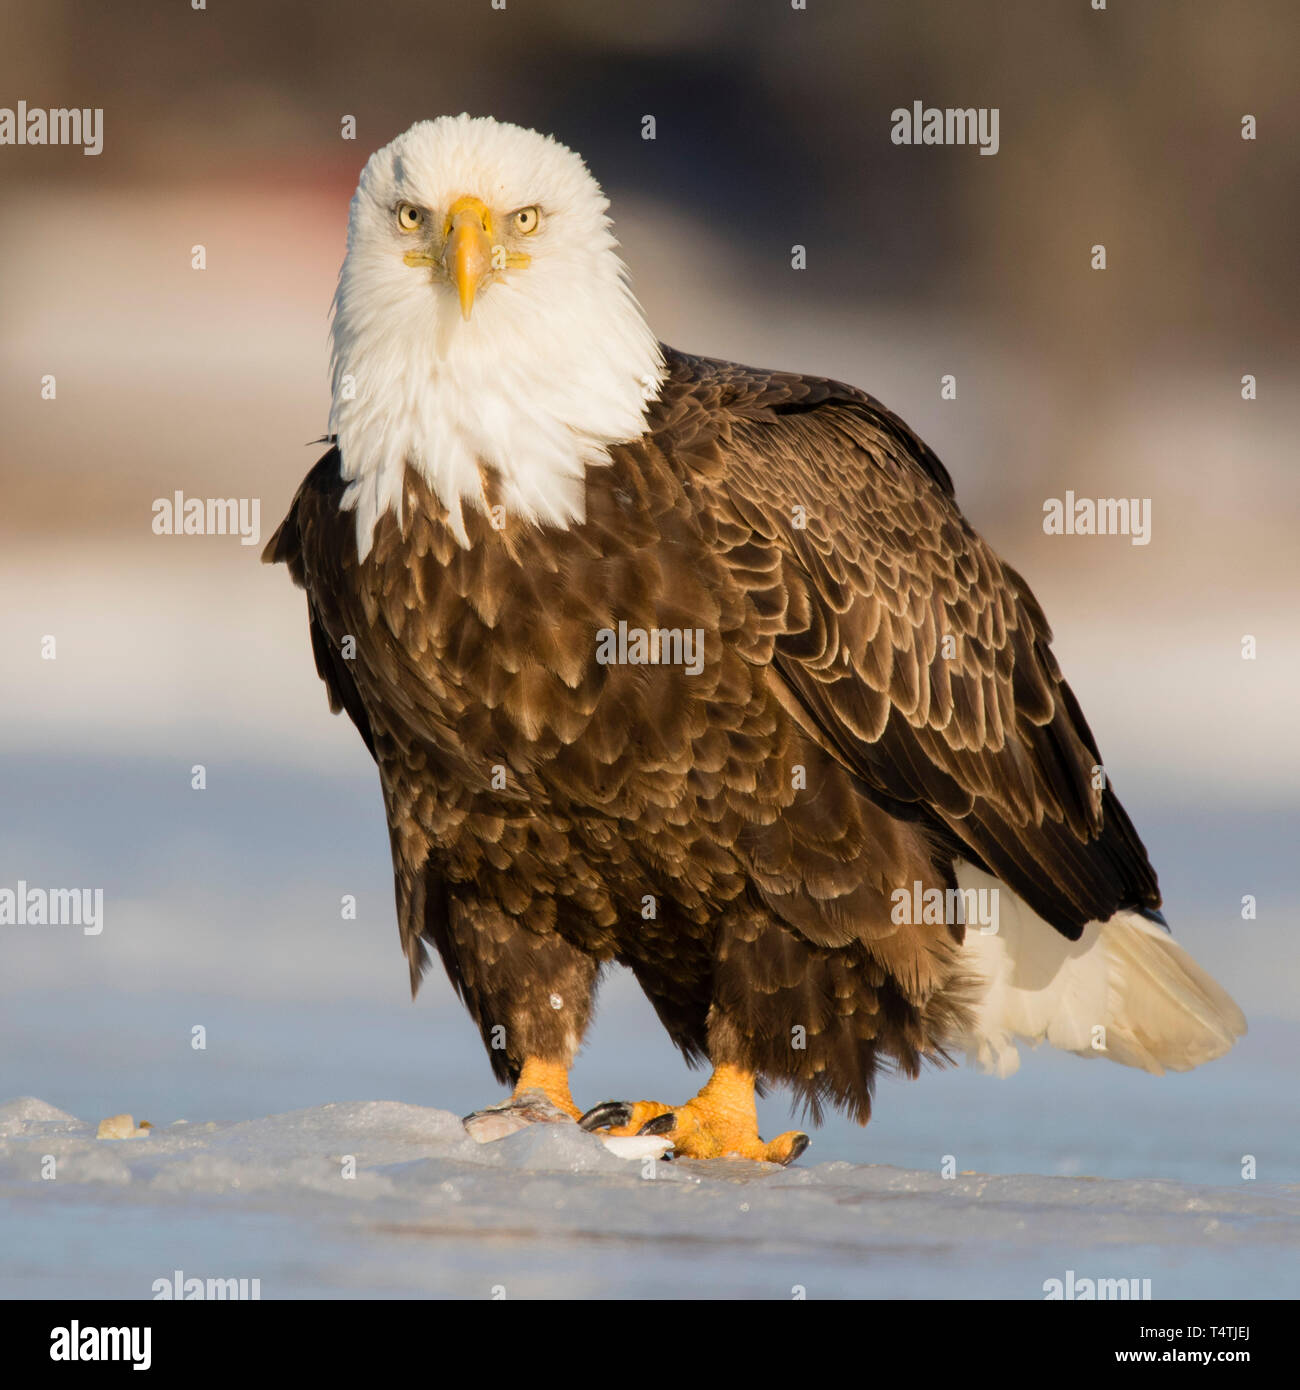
(30, 1116)
(383, 1199)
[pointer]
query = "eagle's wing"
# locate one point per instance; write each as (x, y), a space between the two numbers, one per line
(899, 640)
(316, 505)
(315, 541)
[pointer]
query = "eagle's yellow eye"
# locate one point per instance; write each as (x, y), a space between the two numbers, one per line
(526, 220)
(409, 217)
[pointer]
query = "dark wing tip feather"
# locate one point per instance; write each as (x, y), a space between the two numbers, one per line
(307, 527)
(284, 542)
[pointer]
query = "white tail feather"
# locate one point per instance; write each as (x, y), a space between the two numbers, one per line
(1125, 990)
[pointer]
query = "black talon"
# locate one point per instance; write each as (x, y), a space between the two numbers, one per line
(611, 1114)
(661, 1124)
(801, 1142)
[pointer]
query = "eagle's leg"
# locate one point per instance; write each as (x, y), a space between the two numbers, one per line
(530, 994)
(720, 1122)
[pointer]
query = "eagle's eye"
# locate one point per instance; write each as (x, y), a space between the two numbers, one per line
(526, 220)
(409, 217)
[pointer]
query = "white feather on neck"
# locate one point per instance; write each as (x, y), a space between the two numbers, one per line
(556, 363)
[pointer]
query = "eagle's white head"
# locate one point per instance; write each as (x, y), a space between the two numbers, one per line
(483, 319)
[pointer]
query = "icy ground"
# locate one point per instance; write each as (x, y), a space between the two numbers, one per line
(224, 912)
(549, 1212)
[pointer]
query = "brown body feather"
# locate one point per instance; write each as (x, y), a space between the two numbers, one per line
(828, 753)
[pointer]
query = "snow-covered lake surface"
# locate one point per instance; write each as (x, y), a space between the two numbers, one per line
(550, 1212)
(222, 914)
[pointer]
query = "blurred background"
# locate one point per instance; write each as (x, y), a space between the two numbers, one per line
(222, 128)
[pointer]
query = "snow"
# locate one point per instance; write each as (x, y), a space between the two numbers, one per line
(550, 1211)
(222, 914)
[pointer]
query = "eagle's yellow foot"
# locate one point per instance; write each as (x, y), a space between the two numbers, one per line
(720, 1122)
(541, 1096)
(548, 1079)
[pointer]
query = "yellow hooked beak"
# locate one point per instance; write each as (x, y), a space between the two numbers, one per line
(467, 255)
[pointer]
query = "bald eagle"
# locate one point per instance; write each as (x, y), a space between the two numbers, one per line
(696, 668)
